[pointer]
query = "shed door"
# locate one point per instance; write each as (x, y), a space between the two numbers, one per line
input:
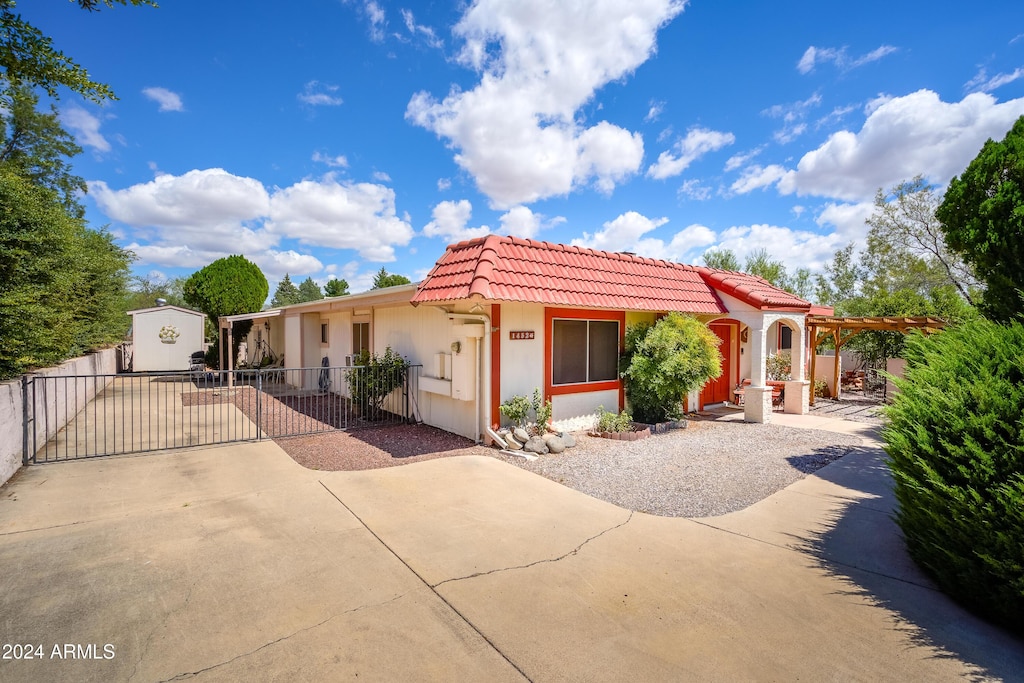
(718, 390)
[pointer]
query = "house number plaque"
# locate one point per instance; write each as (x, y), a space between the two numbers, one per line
(521, 334)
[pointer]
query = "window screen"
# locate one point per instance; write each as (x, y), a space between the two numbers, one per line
(584, 351)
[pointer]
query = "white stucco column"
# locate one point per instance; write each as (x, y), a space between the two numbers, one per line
(757, 399)
(798, 389)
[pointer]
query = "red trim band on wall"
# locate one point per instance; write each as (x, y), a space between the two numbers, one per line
(495, 365)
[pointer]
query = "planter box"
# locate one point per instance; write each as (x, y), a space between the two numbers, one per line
(662, 427)
(639, 432)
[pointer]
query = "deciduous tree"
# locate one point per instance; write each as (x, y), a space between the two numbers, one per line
(28, 57)
(36, 146)
(723, 259)
(982, 216)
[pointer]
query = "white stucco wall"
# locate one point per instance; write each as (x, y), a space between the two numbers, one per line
(54, 402)
(579, 411)
(522, 360)
(150, 353)
(418, 334)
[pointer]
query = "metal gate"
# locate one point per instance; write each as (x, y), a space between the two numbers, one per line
(82, 416)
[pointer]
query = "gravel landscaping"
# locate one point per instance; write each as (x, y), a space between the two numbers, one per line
(711, 468)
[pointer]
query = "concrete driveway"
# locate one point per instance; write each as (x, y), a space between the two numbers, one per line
(235, 563)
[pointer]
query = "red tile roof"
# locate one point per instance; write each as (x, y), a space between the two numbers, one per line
(753, 290)
(496, 268)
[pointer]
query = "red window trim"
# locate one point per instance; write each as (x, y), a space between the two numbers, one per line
(550, 314)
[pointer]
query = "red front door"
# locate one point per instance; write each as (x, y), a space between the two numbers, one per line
(719, 390)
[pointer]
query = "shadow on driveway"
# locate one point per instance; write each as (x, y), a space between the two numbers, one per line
(864, 549)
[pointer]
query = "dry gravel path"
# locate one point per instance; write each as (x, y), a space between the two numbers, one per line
(711, 468)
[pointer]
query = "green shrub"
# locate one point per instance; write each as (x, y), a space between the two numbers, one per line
(610, 422)
(779, 366)
(666, 361)
(373, 380)
(955, 440)
(516, 409)
(542, 409)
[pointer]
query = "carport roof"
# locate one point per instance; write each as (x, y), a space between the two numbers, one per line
(498, 268)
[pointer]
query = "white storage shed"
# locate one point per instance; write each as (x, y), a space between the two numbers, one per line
(165, 337)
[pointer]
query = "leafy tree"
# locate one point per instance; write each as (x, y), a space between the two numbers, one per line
(102, 280)
(336, 287)
(841, 281)
(144, 291)
(982, 216)
(801, 283)
(61, 284)
(310, 291)
(761, 264)
(286, 293)
(664, 362)
(723, 259)
(27, 57)
(228, 286)
(906, 248)
(955, 440)
(384, 279)
(36, 146)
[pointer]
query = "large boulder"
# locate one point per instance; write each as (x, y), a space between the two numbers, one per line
(535, 444)
(554, 443)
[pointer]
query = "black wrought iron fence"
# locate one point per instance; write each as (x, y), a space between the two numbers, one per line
(82, 416)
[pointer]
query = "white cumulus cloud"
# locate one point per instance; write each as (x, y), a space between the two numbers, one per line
(195, 218)
(901, 138)
(167, 99)
(451, 222)
(517, 132)
(697, 143)
(86, 128)
(359, 216)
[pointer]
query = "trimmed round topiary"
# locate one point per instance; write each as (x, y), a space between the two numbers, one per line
(954, 441)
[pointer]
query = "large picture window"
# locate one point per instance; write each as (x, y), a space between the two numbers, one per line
(584, 351)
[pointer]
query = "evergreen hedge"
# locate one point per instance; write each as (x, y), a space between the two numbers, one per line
(954, 441)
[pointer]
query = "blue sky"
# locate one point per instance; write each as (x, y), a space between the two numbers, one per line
(329, 138)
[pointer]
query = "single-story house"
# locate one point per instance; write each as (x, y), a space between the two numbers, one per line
(165, 337)
(502, 316)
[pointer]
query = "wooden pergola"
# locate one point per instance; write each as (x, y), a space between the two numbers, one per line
(839, 329)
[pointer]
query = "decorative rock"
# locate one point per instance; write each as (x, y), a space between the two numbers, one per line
(568, 439)
(521, 435)
(555, 444)
(512, 444)
(535, 444)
